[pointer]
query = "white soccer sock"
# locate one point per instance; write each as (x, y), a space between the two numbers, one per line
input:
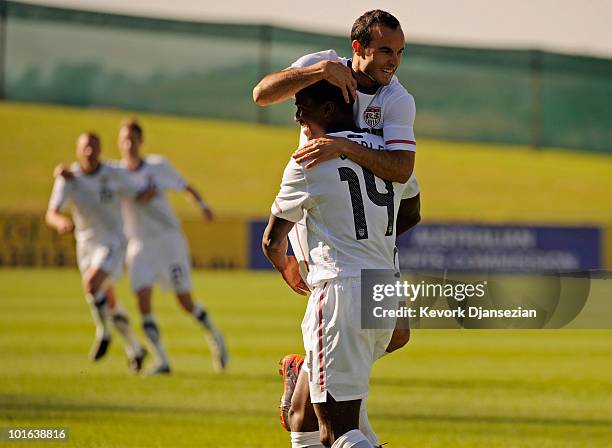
(98, 304)
(352, 439)
(364, 425)
(306, 440)
(121, 321)
(152, 331)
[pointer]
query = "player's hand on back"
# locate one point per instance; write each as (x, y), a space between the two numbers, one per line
(320, 150)
(64, 171)
(291, 275)
(340, 75)
(148, 194)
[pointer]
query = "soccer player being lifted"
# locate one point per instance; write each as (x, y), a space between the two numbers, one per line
(157, 250)
(94, 189)
(383, 107)
(351, 226)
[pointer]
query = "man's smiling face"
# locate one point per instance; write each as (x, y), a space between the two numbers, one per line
(383, 55)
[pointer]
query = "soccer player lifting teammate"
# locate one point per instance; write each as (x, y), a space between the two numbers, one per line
(94, 189)
(157, 250)
(350, 226)
(383, 107)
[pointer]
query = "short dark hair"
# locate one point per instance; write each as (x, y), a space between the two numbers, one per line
(133, 125)
(362, 28)
(322, 91)
(91, 136)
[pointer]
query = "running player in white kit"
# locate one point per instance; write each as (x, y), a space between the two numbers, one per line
(350, 227)
(157, 249)
(94, 189)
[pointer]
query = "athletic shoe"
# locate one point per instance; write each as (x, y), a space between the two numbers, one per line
(220, 356)
(290, 370)
(135, 363)
(160, 369)
(99, 347)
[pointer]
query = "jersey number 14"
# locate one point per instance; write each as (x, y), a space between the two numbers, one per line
(378, 198)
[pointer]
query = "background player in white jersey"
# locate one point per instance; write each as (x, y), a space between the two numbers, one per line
(157, 250)
(347, 231)
(94, 189)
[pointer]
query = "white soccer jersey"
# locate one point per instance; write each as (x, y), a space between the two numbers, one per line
(389, 112)
(151, 219)
(95, 199)
(351, 213)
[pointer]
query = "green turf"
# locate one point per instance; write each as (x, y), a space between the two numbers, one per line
(238, 167)
(447, 389)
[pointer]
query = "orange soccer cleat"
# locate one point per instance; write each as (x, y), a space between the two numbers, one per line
(290, 370)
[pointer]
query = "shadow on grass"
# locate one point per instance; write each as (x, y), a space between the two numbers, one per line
(14, 407)
(501, 420)
(481, 383)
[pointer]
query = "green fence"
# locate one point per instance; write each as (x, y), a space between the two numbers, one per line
(209, 69)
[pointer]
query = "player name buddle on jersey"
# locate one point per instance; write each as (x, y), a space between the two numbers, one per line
(95, 198)
(351, 213)
(389, 112)
(151, 219)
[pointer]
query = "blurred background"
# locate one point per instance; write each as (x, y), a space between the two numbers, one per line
(514, 129)
(498, 92)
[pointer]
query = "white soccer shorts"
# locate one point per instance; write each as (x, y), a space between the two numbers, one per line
(339, 353)
(164, 259)
(106, 255)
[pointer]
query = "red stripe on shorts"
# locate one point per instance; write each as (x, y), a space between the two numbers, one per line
(280, 210)
(320, 331)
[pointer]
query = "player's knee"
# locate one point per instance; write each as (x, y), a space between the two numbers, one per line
(325, 436)
(185, 301)
(91, 286)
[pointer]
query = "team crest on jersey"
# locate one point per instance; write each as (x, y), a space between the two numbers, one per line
(372, 115)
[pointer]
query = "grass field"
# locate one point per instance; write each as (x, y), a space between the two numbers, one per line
(446, 389)
(238, 167)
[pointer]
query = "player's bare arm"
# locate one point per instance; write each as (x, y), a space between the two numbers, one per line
(63, 170)
(204, 208)
(274, 245)
(409, 214)
(395, 166)
(58, 221)
(280, 86)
